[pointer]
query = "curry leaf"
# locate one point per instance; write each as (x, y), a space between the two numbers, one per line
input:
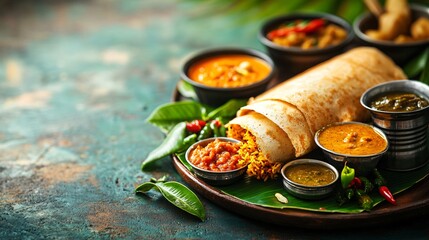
(424, 77)
(172, 143)
(228, 110)
(177, 194)
(168, 115)
(417, 64)
(186, 90)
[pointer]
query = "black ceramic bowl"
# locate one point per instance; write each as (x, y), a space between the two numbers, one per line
(400, 53)
(216, 96)
(293, 60)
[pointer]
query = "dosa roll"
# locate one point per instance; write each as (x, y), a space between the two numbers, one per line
(327, 93)
(288, 118)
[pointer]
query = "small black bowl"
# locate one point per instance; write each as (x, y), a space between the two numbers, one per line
(293, 60)
(400, 53)
(216, 96)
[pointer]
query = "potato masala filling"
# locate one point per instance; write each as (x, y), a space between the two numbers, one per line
(258, 165)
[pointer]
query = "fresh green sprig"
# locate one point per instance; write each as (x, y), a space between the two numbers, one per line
(171, 119)
(177, 194)
(418, 67)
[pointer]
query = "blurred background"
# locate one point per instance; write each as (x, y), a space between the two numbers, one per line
(77, 81)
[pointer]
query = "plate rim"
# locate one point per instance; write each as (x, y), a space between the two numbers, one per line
(382, 214)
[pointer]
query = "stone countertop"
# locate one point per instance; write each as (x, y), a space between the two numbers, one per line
(77, 81)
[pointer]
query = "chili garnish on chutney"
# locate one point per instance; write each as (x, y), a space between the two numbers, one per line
(307, 34)
(229, 71)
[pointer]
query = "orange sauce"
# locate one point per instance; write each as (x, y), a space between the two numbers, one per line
(228, 71)
(352, 139)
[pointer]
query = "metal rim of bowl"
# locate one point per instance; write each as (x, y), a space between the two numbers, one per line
(377, 130)
(363, 36)
(208, 140)
(211, 52)
(305, 161)
(364, 97)
(300, 15)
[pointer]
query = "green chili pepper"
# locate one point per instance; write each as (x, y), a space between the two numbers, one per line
(347, 175)
(378, 178)
(222, 131)
(364, 200)
(381, 183)
(206, 132)
(340, 196)
(367, 185)
(187, 142)
(215, 128)
(350, 193)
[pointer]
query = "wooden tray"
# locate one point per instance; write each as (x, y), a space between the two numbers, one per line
(411, 203)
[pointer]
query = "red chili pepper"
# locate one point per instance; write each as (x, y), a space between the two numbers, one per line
(195, 126)
(385, 192)
(356, 182)
(217, 123)
(202, 123)
(313, 25)
(310, 27)
(281, 32)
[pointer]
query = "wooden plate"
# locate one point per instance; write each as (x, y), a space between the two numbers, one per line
(411, 203)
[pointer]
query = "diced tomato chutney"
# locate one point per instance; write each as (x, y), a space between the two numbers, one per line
(216, 156)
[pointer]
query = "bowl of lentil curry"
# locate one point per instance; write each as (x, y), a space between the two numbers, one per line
(301, 40)
(220, 74)
(216, 160)
(359, 144)
(309, 178)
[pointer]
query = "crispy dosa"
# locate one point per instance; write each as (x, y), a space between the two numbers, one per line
(288, 118)
(327, 93)
(269, 136)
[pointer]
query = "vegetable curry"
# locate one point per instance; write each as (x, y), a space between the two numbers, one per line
(352, 139)
(229, 71)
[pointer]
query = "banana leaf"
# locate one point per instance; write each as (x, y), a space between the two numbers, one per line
(262, 193)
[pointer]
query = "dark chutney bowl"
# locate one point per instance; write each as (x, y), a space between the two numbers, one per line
(293, 60)
(216, 96)
(401, 53)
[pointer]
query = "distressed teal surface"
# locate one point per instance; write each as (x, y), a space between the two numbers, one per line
(77, 81)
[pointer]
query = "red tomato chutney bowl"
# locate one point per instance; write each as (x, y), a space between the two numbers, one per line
(216, 160)
(218, 75)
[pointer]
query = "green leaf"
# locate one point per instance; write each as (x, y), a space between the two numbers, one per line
(145, 187)
(227, 110)
(172, 143)
(177, 194)
(186, 90)
(168, 115)
(424, 78)
(183, 198)
(262, 193)
(182, 158)
(416, 65)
